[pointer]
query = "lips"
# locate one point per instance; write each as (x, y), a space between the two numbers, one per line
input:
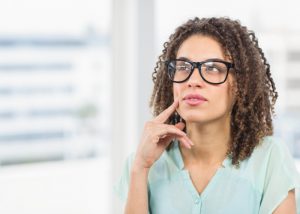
(194, 99)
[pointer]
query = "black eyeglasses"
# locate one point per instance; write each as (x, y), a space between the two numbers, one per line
(213, 71)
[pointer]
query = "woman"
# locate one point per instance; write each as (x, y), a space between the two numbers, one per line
(209, 148)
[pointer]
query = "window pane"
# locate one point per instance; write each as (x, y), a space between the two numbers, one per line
(55, 74)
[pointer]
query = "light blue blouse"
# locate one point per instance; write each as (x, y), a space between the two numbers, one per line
(260, 184)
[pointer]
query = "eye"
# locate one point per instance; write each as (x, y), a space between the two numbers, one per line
(183, 66)
(214, 67)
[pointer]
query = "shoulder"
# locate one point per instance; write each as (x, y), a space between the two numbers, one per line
(271, 150)
(277, 172)
(269, 158)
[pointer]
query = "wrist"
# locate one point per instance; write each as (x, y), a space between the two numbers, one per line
(137, 167)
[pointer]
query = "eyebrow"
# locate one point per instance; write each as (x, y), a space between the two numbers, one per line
(187, 59)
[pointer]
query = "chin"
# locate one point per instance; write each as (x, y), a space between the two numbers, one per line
(193, 118)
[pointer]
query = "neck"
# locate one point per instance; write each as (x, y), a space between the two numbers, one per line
(211, 142)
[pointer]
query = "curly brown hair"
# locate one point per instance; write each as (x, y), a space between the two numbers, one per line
(251, 116)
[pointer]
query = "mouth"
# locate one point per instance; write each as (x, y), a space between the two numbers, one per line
(194, 99)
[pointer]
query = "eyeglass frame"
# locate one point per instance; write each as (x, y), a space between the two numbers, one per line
(198, 65)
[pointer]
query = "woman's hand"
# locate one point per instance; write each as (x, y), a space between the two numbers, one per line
(157, 136)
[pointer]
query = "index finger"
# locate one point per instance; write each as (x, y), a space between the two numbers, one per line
(163, 116)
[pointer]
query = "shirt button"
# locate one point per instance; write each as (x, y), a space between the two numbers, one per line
(197, 200)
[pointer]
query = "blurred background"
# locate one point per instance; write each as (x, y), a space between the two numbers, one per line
(75, 83)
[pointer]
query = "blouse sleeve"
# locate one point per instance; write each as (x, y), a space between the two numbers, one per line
(281, 177)
(121, 188)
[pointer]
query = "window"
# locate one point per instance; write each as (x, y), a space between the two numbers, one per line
(55, 85)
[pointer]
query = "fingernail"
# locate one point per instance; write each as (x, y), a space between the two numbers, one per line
(188, 145)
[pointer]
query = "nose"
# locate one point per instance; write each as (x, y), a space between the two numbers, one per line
(195, 79)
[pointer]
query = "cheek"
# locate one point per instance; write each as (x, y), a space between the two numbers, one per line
(176, 91)
(224, 97)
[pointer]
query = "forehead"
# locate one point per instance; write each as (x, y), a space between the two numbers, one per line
(199, 48)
